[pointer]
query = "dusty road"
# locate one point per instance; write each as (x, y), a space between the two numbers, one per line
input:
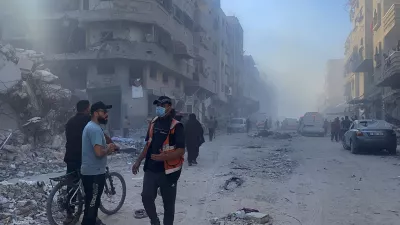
(309, 181)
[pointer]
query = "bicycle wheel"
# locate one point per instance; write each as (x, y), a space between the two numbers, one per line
(59, 197)
(112, 194)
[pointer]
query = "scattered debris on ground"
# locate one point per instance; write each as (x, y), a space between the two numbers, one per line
(140, 214)
(233, 183)
(244, 216)
(281, 136)
(271, 163)
(23, 203)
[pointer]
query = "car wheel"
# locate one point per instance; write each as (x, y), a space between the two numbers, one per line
(392, 150)
(345, 147)
(353, 147)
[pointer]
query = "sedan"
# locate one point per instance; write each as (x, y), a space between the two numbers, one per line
(371, 135)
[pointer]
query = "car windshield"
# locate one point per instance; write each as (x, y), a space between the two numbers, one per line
(377, 124)
(236, 121)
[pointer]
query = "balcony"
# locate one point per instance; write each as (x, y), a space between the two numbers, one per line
(143, 12)
(181, 51)
(391, 73)
(357, 63)
(376, 20)
(391, 93)
(391, 19)
(140, 51)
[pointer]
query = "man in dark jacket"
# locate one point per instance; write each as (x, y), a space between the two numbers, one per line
(194, 138)
(73, 132)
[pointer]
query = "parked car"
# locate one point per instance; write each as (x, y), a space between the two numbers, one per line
(312, 123)
(370, 135)
(289, 124)
(237, 125)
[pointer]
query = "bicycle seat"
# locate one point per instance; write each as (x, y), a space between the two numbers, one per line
(65, 177)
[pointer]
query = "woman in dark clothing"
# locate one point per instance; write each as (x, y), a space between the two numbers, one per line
(194, 138)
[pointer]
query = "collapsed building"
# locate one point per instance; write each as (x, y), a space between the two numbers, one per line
(188, 50)
(33, 111)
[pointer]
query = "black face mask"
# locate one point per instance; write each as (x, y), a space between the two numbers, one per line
(102, 121)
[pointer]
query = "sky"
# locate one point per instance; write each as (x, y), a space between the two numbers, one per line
(291, 40)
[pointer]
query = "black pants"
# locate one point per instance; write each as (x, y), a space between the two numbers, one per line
(151, 182)
(193, 153)
(93, 186)
(211, 133)
(334, 136)
(71, 168)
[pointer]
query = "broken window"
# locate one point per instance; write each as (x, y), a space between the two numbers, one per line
(177, 83)
(165, 78)
(107, 36)
(135, 71)
(105, 69)
(153, 73)
(85, 4)
(178, 14)
(167, 4)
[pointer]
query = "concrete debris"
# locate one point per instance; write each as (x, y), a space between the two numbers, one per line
(243, 216)
(129, 144)
(23, 203)
(275, 164)
(281, 135)
(41, 107)
(233, 183)
(45, 76)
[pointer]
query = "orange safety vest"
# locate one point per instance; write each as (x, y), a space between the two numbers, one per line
(170, 166)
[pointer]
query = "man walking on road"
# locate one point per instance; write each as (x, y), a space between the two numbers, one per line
(212, 125)
(335, 129)
(94, 161)
(194, 138)
(164, 153)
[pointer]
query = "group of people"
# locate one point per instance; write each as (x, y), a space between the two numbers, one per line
(87, 148)
(338, 127)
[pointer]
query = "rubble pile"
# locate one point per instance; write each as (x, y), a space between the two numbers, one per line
(276, 165)
(129, 144)
(24, 160)
(23, 203)
(40, 106)
(244, 216)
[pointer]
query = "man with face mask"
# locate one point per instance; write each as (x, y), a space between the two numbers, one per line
(94, 160)
(164, 153)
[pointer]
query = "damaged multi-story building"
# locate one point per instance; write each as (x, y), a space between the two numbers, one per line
(189, 50)
(386, 26)
(360, 90)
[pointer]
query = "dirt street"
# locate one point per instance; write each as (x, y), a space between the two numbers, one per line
(303, 180)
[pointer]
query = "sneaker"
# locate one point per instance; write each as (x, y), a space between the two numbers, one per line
(99, 222)
(190, 164)
(194, 162)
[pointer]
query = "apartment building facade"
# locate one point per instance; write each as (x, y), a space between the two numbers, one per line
(386, 55)
(358, 72)
(186, 49)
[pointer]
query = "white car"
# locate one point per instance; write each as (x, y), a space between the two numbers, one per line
(237, 125)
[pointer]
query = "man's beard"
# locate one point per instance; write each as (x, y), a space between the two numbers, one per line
(102, 120)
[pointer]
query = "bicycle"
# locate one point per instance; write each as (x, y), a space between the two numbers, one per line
(71, 196)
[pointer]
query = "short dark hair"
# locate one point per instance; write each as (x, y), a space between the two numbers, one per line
(82, 105)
